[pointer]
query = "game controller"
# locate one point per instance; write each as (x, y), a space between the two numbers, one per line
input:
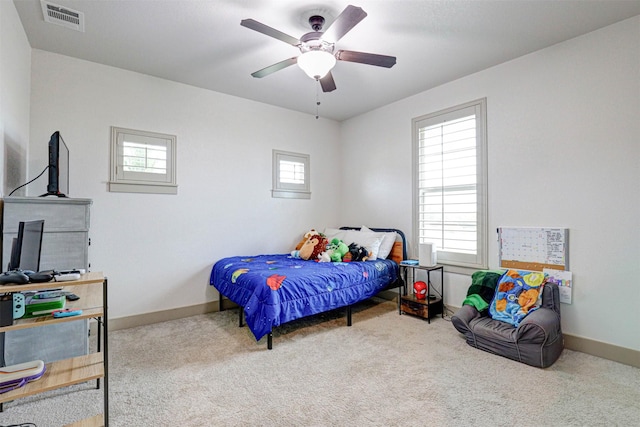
(66, 277)
(15, 277)
(71, 296)
(75, 271)
(18, 305)
(42, 276)
(67, 312)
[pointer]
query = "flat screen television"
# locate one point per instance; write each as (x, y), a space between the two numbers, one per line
(58, 167)
(26, 249)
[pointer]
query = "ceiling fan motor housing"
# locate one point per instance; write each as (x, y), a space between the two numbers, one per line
(313, 41)
(316, 22)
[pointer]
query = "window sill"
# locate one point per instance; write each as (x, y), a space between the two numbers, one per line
(288, 194)
(119, 187)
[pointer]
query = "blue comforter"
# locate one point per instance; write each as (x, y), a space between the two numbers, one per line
(275, 289)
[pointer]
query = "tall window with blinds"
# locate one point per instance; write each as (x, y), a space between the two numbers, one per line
(449, 150)
(291, 175)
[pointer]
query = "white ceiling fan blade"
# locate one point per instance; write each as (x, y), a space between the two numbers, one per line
(267, 30)
(275, 67)
(366, 58)
(327, 83)
(349, 18)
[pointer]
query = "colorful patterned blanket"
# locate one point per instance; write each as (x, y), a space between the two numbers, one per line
(519, 293)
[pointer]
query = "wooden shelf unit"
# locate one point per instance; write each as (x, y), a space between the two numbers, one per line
(92, 290)
(410, 304)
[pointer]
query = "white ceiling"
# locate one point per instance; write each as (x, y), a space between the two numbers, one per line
(201, 43)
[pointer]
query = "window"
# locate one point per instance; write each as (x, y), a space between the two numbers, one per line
(450, 183)
(142, 162)
(291, 175)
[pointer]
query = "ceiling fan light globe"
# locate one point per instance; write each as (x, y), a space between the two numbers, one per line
(316, 63)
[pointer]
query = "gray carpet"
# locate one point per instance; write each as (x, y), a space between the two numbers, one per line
(385, 370)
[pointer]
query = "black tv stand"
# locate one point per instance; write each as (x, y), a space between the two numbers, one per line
(53, 194)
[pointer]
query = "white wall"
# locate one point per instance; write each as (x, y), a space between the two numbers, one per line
(157, 250)
(15, 65)
(564, 151)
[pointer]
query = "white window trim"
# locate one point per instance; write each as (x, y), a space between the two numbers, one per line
(143, 182)
(456, 260)
(289, 190)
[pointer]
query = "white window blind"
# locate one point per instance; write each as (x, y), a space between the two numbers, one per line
(450, 190)
(291, 175)
(291, 172)
(144, 158)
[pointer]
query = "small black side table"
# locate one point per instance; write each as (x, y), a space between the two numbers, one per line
(404, 273)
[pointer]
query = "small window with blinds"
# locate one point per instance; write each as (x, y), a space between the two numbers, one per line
(449, 150)
(142, 162)
(291, 175)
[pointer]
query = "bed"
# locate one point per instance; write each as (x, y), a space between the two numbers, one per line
(274, 289)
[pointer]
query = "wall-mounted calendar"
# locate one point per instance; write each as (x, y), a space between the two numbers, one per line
(533, 248)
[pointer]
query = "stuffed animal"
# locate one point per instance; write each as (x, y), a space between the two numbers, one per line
(358, 253)
(315, 243)
(334, 252)
(339, 250)
(308, 234)
(325, 256)
(313, 247)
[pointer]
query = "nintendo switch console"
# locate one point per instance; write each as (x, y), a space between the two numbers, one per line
(18, 305)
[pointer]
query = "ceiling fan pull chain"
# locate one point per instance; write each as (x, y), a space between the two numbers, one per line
(317, 100)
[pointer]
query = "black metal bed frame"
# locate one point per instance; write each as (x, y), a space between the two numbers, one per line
(398, 283)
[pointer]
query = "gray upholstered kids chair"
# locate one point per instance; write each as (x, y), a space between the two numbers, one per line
(537, 341)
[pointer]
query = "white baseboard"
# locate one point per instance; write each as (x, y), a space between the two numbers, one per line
(602, 349)
(161, 316)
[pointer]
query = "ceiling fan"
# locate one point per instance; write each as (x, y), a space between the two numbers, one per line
(317, 56)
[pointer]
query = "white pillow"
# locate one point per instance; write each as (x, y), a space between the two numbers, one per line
(388, 239)
(331, 233)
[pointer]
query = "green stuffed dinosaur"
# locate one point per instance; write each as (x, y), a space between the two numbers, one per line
(334, 252)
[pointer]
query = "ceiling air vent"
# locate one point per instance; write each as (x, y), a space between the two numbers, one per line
(61, 15)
